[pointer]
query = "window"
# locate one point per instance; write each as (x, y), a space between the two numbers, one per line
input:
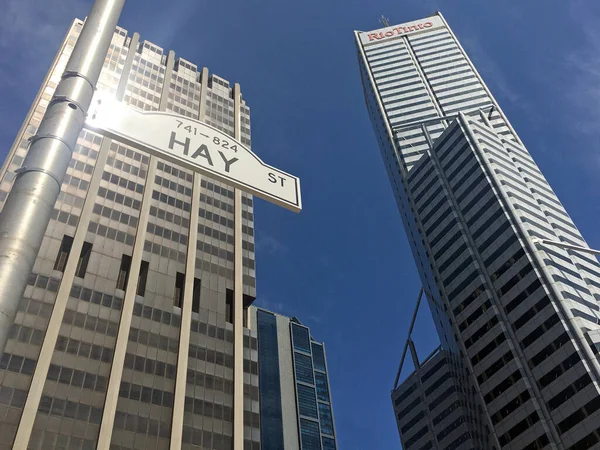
(411, 423)
(519, 428)
(510, 407)
(307, 403)
(179, 288)
(310, 436)
(124, 272)
(323, 386)
(303, 368)
(318, 356)
(328, 443)
(143, 278)
(502, 386)
(84, 259)
(63, 253)
(229, 306)
(300, 338)
(325, 419)
(196, 296)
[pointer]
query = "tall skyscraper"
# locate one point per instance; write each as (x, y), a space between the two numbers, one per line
(106, 355)
(520, 317)
(295, 401)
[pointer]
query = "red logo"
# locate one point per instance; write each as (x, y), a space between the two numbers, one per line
(398, 31)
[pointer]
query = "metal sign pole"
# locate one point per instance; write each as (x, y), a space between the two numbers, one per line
(31, 200)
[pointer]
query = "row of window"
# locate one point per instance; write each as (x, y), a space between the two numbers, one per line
(111, 233)
(150, 366)
(142, 425)
(146, 394)
(418, 435)
(175, 171)
(179, 188)
(216, 203)
(83, 349)
(126, 167)
(519, 428)
(77, 378)
(120, 181)
(171, 201)
(71, 410)
(26, 335)
(153, 340)
(166, 233)
(81, 166)
(115, 215)
(436, 384)
(169, 217)
(411, 423)
(450, 428)
(64, 217)
(90, 323)
(509, 407)
(119, 198)
(201, 379)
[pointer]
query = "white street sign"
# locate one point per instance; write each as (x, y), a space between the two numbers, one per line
(197, 146)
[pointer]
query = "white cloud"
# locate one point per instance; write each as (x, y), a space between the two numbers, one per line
(269, 245)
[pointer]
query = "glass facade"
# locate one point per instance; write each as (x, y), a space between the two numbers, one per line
(117, 321)
(294, 380)
(271, 424)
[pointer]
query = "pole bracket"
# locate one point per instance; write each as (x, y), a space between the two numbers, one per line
(23, 170)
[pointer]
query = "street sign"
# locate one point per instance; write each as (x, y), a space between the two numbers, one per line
(197, 146)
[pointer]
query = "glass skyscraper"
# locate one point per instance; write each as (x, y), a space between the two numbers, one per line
(95, 358)
(522, 320)
(295, 399)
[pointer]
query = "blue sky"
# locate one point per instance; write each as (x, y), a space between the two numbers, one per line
(343, 265)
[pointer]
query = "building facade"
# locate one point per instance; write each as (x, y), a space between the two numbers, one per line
(432, 406)
(98, 357)
(522, 318)
(295, 399)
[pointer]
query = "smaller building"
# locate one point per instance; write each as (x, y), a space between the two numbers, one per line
(295, 400)
(434, 408)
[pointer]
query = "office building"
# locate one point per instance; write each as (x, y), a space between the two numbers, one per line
(521, 317)
(106, 294)
(431, 403)
(295, 399)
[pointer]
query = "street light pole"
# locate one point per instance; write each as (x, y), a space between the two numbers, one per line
(27, 210)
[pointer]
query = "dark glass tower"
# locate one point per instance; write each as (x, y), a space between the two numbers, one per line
(295, 401)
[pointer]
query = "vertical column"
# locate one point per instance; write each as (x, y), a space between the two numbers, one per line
(203, 90)
(133, 45)
(238, 306)
(62, 297)
(186, 310)
(164, 95)
(186, 321)
(116, 370)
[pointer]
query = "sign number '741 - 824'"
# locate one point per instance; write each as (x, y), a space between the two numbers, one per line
(197, 146)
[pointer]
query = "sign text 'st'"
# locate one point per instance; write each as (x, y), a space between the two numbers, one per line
(197, 146)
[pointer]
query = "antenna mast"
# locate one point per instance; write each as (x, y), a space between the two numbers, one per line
(385, 21)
